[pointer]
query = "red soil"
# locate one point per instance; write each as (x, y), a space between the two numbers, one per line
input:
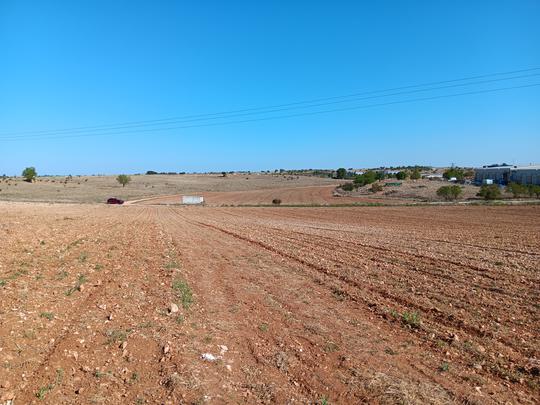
(311, 303)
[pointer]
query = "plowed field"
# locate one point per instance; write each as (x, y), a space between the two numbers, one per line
(312, 195)
(117, 304)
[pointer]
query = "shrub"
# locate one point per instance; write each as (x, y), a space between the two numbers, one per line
(123, 179)
(276, 201)
(449, 192)
(401, 175)
(347, 187)
(517, 190)
(415, 175)
(376, 187)
(534, 190)
(489, 192)
(29, 174)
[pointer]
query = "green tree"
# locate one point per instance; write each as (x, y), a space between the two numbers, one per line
(123, 179)
(517, 190)
(449, 193)
(489, 192)
(534, 189)
(454, 172)
(367, 178)
(415, 175)
(401, 175)
(29, 174)
(341, 173)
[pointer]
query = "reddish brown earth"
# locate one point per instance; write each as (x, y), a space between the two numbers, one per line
(312, 304)
(312, 195)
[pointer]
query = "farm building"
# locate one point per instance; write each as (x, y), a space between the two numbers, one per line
(192, 199)
(526, 175)
(508, 174)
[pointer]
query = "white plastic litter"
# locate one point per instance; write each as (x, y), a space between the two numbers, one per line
(209, 357)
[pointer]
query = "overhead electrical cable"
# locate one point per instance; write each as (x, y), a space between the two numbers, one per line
(283, 107)
(274, 117)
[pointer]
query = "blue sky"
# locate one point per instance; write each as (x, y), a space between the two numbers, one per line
(66, 64)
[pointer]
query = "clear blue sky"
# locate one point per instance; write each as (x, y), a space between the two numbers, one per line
(67, 64)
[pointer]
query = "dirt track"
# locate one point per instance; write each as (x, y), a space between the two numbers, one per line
(311, 304)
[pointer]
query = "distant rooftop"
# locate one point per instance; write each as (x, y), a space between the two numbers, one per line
(530, 167)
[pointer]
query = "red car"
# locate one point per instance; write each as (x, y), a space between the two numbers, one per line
(115, 201)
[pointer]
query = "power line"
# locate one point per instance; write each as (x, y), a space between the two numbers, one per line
(275, 117)
(292, 108)
(282, 107)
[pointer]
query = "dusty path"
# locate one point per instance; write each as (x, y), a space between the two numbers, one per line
(377, 305)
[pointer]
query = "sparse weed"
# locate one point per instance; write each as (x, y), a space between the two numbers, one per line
(62, 275)
(184, 292)
(390, 351)
(40, 394)
(339, 294)
(411, 319)
(47, 315)
(80, 281)
(172, 265)
(440, 343)
(263, 327)
(19, 273)
(117, 335)
(75, 243)
(444, 367)
(59, 376)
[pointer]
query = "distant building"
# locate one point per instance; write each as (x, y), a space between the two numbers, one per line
(507, 174)
(526, 175)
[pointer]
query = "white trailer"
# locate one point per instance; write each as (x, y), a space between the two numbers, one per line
(192, 199)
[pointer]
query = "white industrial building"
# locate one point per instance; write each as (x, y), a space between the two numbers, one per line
(508, 174)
